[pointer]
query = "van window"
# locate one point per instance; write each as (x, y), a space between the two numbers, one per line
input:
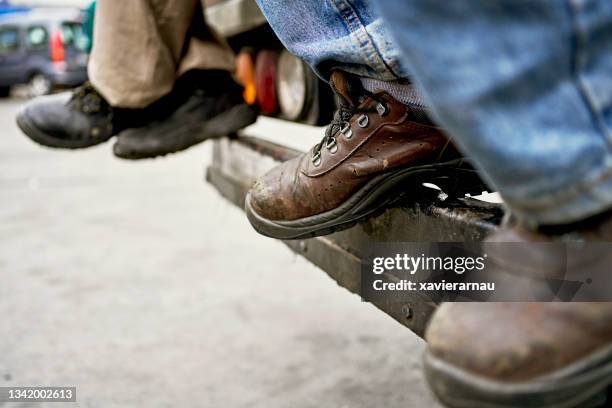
(38, 37)
(9, 40)
(73, 35)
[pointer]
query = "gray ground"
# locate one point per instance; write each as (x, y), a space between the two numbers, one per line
(142, 287)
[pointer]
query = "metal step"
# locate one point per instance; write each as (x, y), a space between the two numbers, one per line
(231, 17)
(425, 216)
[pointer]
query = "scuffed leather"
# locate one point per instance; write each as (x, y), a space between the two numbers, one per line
(518, 342)
(53, 115)
(297, 188)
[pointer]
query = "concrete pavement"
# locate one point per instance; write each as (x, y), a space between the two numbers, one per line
(138, 284)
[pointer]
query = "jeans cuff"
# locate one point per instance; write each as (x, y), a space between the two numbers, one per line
(586, 198)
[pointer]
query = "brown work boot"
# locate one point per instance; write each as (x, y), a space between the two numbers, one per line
(524, 355)
(372, 148)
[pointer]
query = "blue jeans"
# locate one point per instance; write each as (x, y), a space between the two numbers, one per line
(523, 87)
(330, 34)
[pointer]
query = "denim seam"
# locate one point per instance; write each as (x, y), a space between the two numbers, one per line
(393, 64)
(579, 59)
(363, 40)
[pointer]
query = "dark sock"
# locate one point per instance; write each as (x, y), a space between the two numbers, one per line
(213, 81)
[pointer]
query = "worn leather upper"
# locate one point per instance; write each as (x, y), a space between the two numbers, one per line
(302, 187)
(57, 116)
(516, 342)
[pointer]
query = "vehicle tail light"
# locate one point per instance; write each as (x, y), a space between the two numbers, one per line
(245, 73)
(58, 52)
(265, 80)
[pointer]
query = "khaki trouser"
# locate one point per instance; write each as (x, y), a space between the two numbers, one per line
(142, 46)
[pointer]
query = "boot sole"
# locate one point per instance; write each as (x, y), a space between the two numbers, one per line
(375, 196)
(42, 138)
(581, 385)
(223, 124)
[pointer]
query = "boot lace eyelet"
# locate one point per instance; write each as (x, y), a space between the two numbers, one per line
(363, 121)
(382, 109)
(316, 159)
(332, 146)
(346, 131)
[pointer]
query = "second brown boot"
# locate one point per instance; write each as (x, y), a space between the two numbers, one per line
(527, 355)
(372, 148)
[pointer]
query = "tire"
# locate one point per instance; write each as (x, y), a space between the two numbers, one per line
(5, 91)
(316, 104)
(295, 84)
(39, 85)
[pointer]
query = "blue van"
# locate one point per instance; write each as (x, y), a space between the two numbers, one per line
(44, 48)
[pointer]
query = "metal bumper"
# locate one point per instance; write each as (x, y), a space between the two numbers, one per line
(238, 162)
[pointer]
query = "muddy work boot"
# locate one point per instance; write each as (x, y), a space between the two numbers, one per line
(372, 152)
(524, 355)
(71, 120)
(213, 109)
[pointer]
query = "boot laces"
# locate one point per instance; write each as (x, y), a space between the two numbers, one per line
(340, 123)
(87, 99)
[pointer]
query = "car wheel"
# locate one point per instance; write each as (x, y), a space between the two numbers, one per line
(39, 85)
(5, 91)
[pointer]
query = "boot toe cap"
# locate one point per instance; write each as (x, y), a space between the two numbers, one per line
(517, 342)
(275, 195)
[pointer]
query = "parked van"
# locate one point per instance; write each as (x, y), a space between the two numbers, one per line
(43, 48)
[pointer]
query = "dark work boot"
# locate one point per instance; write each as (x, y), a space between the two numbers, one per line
(70, 120)
(213, 107)
(374, 150)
